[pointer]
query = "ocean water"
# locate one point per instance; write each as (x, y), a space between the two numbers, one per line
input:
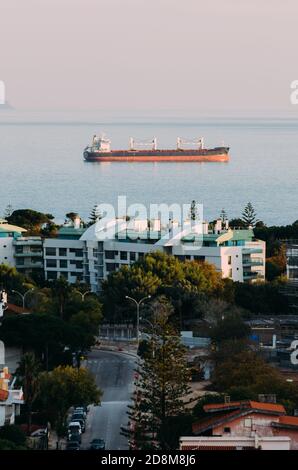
(42, 167)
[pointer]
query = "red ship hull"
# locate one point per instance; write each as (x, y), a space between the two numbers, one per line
(220, 154)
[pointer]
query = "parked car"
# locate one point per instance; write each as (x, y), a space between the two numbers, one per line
(81, 409)
(72, 445)
(75, 437)
(97, 444)
(74, 427)
(79, 419)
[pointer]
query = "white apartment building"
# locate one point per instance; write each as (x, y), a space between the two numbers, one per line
(89, 255)
(292, 263)
(23, 253)
(8, 233)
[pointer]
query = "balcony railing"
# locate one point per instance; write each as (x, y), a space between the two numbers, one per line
(253, 262)
(29, 254)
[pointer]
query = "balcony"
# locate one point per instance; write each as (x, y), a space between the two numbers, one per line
(248, 251)
(27, 241)
(249, 275)
(36, 265)
(252, 262)
(27, 254)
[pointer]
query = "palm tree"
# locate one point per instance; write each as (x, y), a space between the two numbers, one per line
(28, 374)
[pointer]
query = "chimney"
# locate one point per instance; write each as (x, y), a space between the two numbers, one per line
(205, 228)
(77, 222)
(218, 226)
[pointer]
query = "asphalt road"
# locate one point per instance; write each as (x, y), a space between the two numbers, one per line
(114, 376)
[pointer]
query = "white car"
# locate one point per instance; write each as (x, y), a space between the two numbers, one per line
(74, 427)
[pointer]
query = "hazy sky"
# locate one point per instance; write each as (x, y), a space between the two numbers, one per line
(141, 54)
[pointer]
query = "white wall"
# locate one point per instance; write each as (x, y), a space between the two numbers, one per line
(7, 251)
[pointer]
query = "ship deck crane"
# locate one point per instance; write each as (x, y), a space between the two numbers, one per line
(196, 142)
(134, 144)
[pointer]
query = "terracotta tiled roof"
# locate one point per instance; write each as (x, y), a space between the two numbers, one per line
(270, 407)
(256, 405)
(207, 423)
(221, 406)
(16, 309)
(286, 421)
(3, 395)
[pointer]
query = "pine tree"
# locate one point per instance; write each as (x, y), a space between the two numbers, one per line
(249, 215)
(193, 213)
(161, 386)
(95, 215)
(223, 215)
(8, 211)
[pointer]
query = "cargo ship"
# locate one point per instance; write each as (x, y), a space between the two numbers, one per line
(147, 151)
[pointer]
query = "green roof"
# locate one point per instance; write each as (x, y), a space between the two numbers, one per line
(71, 232)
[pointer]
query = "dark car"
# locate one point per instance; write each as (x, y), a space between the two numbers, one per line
(97, 444)
(84, 407)
(76, 416)
(72, 445)
(75, 437)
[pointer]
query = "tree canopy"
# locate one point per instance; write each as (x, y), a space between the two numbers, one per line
(29, 219)
(157, 274)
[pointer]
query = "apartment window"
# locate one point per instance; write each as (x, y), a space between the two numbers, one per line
(77, 252)
(141, 255)
(123, 255)
(79, 264)
(100, 246)
(51, 263)
(227, 430)
(19, 249)
(110, 267)
(63, 263)
(230, 273)
(229, 259)
(50, 251)
(132, 256)
(63, 274)
(73, 274)
(199, 258)
(110, 254)
(35, 249)
(248, 422)
(51, 276)
(62, 251)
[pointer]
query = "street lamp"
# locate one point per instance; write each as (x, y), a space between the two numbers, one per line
(138, 304)
(153, 330)
(83, 294)
(23, 296)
